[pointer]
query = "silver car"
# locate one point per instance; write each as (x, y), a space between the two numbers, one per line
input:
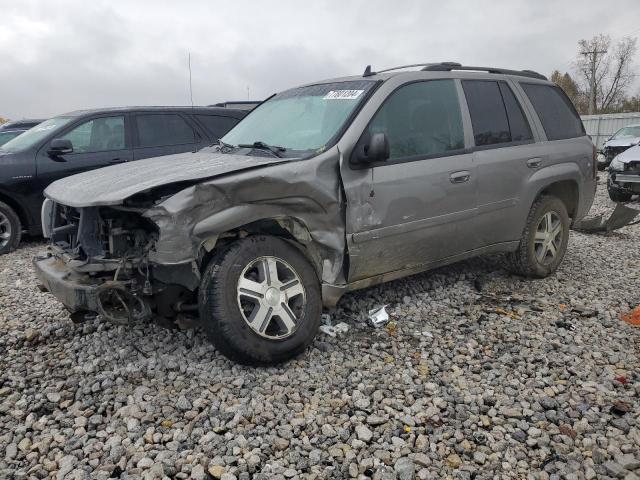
(624, 175)
(624, 138)
(323, 189)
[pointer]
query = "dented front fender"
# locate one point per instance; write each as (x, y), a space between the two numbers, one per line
(303, 196)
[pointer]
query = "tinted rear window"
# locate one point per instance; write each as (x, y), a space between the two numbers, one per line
(217, 125)
(556, 112)
(496, 116)
(518, 125)
(488, 116)
(158, 130)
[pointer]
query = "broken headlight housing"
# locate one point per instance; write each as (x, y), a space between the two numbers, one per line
(616, 164)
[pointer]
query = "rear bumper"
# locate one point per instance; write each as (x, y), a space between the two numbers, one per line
(74, 290)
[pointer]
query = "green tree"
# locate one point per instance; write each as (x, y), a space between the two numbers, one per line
(572, 89)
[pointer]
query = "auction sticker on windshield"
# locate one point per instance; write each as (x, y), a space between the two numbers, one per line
(343, 94)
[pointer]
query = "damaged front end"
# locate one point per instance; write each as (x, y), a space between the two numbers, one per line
(98, 262)
(136, 246)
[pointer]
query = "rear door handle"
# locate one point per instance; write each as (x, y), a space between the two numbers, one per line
(534, 162)
(460, 177)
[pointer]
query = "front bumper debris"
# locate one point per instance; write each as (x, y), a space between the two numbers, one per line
(79, 292)
(72, 289)
(625, 182)
(620, 217)
(621, 178)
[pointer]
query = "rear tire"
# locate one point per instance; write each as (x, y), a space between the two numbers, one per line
(10, 229)
(260, 301)
(544, 239)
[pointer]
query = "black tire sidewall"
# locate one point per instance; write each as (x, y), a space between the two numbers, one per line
(615, 194)
(16, 229)
(547, 205)
(220, 314)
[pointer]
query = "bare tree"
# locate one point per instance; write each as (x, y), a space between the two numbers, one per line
(605, 70)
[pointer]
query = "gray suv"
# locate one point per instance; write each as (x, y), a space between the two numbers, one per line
(321, 190)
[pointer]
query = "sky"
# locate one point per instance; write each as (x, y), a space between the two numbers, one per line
(66, 55)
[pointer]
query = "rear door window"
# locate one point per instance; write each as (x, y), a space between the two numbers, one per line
(556, 112)
(421, 119)
(518, 124)
(163, 129)
(217, 125)
(496, 116)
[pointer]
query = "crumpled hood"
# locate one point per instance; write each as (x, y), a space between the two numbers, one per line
(622, 142)
(630, 155)
(112, 185)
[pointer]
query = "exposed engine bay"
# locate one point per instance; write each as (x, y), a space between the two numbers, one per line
(108, 248)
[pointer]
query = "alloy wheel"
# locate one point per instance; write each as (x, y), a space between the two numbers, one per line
(5, 230)
(271, 297)
(548, 238)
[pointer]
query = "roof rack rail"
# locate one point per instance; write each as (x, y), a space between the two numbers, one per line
(368, 72)
(448, 66)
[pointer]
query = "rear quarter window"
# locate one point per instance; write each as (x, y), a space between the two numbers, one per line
(556, 112)
(217, 125)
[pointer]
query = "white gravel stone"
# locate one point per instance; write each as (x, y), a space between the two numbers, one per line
(512, 377)
(364, 433)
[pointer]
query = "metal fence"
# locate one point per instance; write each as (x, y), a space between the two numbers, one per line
(601, 127)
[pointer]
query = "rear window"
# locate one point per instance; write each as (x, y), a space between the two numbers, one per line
(164, 129)
(496, 116)
(217, 125)
(556, 112)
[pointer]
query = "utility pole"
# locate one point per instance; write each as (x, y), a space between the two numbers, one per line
(592, 80)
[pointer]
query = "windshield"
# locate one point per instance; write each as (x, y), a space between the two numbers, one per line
(34, 135)
(8, 135)
(302, 119)
(628, 132)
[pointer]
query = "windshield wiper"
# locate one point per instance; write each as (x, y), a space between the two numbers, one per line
(277, 151)
(223, 144)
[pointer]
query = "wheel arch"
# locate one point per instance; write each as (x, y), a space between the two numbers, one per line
(291, 229)
(21, 212)
(567, 191)
(562, 181)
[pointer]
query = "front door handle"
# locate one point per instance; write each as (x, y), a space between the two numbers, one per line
(460, 177)
(534, 162)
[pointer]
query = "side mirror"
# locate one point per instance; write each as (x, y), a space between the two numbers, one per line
(377, 150)
(60, 146)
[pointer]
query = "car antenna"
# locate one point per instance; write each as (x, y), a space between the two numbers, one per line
(195, 140)
(368, 72)
(190, 84)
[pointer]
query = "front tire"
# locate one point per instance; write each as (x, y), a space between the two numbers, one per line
(544, 239)
(260, 301)
(10, 229)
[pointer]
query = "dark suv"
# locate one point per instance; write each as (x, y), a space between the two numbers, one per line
(88, 139)
(320, 190)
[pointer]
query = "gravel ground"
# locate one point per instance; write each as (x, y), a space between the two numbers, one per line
(481, 374)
